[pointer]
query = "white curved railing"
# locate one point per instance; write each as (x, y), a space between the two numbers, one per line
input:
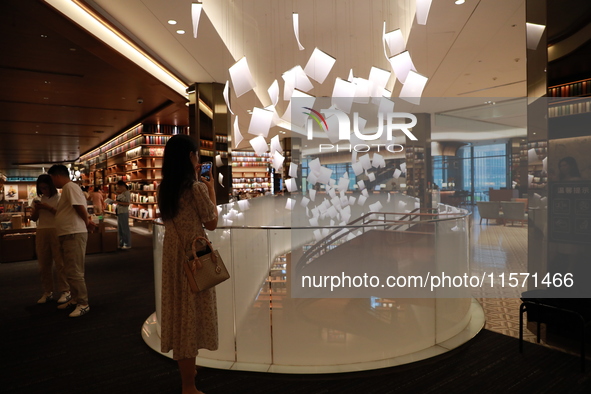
(262, 328)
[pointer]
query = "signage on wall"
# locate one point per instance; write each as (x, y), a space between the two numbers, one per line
(570, 212)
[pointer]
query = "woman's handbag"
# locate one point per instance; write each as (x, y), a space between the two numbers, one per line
(204, 269)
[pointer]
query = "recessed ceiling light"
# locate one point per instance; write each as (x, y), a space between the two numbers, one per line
(180, 32)
(43, 36)
(458, 2)
(172, 22)
(45, 98)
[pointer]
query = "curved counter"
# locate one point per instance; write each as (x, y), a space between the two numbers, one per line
(263, 326)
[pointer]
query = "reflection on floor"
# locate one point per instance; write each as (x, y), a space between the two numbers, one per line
(497, 250)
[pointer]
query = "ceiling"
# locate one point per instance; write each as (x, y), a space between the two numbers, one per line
(471, 53)
(64, 92)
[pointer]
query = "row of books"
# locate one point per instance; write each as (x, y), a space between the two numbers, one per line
(580, 88)
(249, 154)
(243, 180)
(252, 159)
(211, 153)
(141, 198)
(245, 164)
(135, 186)
(143, 213)
(569, 109)
(258, 185)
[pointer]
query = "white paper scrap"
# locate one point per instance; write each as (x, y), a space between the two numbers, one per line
(344, 201)
(237, 135)
(312, 194)
(226, 94)
(260, 122)
(290, 204)
(377, 160)
(296, 29)
(361, 200)
(332, 212)
(325, 174)
(315, 165)
(365, 161)
(259, 144)
(221, 179)
(371, 176)
(241, 77)
(276, 145)
(293, 170)
(357, 168)
(312, 179)
(319, 65)
(361, 184)
(397, 173)
(376, 207)
(305, 201)
(291, 185)
(278, 160)
(317, 235)
(365, 193)
(218, 161)
(274, 92)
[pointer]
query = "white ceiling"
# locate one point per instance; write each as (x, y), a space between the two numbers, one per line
(473, 52)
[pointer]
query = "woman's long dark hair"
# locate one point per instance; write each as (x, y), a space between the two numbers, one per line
(45, 178)
(573, 168)
(178, 174)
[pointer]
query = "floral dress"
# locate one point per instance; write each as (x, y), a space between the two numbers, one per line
(188, 321)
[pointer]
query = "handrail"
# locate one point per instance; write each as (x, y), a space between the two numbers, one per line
(456, 215)
(324, 243)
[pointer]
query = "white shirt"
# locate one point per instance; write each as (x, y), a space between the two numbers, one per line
(47, 219)
(67, 220)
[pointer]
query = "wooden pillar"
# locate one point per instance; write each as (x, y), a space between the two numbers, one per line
(209, 125)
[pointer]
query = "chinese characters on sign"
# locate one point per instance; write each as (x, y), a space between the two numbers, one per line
(570, 213)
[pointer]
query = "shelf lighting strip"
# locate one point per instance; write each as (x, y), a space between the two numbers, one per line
(96, 25)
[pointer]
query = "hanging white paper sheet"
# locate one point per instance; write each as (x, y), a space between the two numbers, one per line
(241, 77)
(259, 144)
(226, 94)
(293, 170)
(290, 204)
(291, 185)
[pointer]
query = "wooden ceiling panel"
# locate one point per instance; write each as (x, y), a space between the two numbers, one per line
(61, 86)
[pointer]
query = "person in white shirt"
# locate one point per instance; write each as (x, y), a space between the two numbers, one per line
(72, 224)
(46, 241)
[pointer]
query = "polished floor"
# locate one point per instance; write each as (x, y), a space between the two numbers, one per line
(497, 249)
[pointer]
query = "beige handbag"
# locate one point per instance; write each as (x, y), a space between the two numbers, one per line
(204, 270)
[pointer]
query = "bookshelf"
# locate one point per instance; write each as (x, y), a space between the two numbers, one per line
(415, 169)
(251, 172)
(134, 157)
(569, 98)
